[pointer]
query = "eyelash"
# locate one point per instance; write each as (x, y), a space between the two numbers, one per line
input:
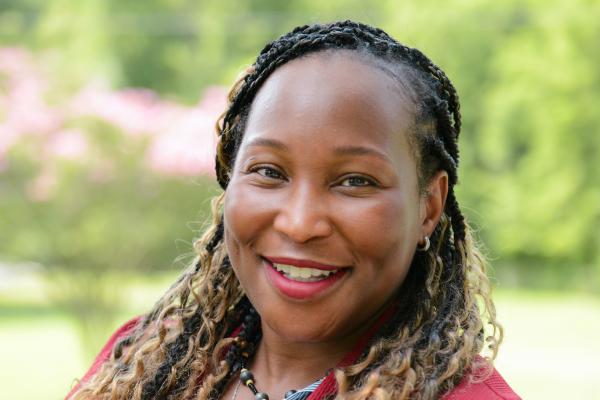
(266, 168)
(279, 176)
(364, 179)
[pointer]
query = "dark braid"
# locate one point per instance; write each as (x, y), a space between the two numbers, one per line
(456, 217)
(413, 301)
(244, 345)
(250, 331)
(216, 239)
(156, 388)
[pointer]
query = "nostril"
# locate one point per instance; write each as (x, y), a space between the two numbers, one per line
(302, 227)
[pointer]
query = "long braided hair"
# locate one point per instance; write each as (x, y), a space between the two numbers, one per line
(183, 348)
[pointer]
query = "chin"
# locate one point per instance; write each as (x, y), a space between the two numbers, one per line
(303, 335)
(300, 328)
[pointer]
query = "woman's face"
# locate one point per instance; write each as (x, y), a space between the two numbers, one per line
(323, 213)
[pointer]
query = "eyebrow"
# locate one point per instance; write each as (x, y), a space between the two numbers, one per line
(359, 151)
(348, 150)
(264, 142)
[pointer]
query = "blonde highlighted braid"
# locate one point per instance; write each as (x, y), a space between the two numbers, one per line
(178, 351)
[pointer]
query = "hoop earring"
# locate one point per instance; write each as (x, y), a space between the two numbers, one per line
(424, 246)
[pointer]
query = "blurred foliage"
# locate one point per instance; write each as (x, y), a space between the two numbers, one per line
(99, 185)
(120, 222)
(96, 228)
(528, 73)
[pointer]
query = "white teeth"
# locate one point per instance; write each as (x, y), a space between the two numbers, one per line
(303, 274)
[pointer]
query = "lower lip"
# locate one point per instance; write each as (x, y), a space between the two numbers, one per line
(301, 290)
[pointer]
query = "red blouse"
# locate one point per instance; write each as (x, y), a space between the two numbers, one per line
(494, 387)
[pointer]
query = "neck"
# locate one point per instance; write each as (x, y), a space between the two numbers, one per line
(280, 357)
(280, 364)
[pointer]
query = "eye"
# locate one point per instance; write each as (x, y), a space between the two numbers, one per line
(267, 172)
(357, 181)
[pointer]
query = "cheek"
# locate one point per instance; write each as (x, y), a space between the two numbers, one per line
(234, 218)
(245, 213)
(239, 231)
(386, 229)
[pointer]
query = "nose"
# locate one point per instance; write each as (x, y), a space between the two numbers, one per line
(303, 215)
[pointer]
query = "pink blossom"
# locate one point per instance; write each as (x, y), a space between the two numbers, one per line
(26, 111)
(214, 100)
(182, 138)
(69, 144)
(133, 111)
(15, 60)
(188, 147)
(185, 149)
(24, 108)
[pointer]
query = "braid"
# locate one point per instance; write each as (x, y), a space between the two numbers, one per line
(176, 350)
(217, 238)
(458, 220)
(171, 369)
(433, 147)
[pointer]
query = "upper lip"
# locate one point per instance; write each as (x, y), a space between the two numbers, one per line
(301, 263)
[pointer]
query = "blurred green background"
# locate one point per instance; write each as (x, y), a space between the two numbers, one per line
(107, 110)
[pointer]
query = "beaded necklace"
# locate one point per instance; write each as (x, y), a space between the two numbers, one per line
(242, 349)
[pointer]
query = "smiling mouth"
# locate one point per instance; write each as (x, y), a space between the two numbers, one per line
(302, 279)
(303, 274)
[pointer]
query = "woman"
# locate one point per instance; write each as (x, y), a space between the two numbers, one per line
(339, 262)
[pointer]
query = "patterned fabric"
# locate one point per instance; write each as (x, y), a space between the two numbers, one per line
(303, 394)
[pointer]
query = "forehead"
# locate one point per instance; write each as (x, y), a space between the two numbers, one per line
(340, 95)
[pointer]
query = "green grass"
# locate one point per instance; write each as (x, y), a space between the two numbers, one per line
(551, 347)
(40, 357)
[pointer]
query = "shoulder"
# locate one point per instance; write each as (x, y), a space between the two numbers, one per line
(106, 351)
(494, 387)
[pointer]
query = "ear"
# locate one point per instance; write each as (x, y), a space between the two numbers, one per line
(433, 202)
